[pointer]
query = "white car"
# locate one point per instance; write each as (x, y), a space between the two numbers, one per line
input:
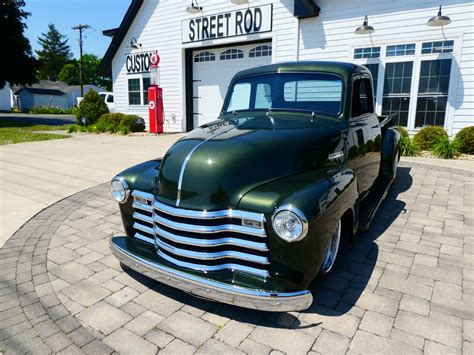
(109, 100)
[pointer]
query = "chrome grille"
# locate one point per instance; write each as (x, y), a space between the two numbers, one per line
(201, 240)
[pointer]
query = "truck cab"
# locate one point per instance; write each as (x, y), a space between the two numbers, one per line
(251, 208)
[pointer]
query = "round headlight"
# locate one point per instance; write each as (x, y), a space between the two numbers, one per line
(290, 224)
(120, 190)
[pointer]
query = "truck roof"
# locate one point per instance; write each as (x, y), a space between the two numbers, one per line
(342, 68)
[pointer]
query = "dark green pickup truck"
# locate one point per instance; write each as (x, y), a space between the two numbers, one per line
(250, 209)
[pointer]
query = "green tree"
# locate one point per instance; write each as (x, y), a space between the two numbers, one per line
(55, 53)
(70, 72)
(91, 107)
(17, 64)
(90, 66)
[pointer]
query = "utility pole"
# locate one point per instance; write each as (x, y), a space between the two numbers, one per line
(81, 29)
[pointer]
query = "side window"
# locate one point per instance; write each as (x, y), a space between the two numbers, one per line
(362, 100)
(232, 53)
(240, 99)
(146, 85)
(204, 57)
(110, 98)
(261, 51)
(134, 91)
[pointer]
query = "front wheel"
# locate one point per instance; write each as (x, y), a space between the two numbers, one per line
(331, 253)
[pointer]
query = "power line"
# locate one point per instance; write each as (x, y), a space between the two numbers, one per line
(81, 29)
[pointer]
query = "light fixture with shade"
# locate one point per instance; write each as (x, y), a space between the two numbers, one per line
(194, 8)
(240, 2)
(439, 20)
(365, 29)
(134, 43)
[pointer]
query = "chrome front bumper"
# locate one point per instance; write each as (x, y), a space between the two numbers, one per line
(213, 290)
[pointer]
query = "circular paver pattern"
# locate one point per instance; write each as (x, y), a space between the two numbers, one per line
(406, 285)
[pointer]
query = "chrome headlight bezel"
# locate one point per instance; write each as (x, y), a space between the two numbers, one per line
(300, 217)
(126, 189)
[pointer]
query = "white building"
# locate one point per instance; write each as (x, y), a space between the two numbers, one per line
(424, 72)
(6, 98)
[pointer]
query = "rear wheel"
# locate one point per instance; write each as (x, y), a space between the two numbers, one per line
(331, 253)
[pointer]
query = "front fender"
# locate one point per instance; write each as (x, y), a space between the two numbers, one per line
(143, 177)
(323, 196)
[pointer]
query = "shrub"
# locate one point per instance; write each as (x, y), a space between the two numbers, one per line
(109, 122)
(48, 110)
(403, 132)
(131, 123)
(446, 149)
(465, 140)
(427, 137)
(119, 122)
(409, 147)
(91, 107)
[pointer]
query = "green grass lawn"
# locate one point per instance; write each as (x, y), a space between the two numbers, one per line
(14, 131)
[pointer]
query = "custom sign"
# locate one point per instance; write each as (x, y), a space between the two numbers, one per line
(137, 63)
(229, 24)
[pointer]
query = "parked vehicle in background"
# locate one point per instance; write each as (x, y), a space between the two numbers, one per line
(251, 208)
(109, 100)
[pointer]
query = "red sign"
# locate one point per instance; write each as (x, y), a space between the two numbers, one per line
(155, 59)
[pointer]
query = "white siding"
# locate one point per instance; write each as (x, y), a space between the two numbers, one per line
(157, 26)
(330, 36)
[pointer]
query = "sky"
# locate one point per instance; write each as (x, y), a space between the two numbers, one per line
(64, 14)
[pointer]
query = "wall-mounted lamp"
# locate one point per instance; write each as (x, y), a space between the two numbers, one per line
(134, 43)
(240, 2)
(194, 8)
(365, 29)
(439, 20)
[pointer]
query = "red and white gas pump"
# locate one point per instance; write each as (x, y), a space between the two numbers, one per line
(155, 98)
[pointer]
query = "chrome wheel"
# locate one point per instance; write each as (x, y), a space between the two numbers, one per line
(333, 248)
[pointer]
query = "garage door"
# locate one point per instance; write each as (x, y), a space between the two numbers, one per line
(213, 70)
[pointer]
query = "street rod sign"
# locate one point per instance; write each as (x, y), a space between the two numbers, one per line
(228, 24)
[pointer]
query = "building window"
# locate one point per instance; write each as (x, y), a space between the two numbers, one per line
(374, 70)
(369, 52)
(397, 90)
(204, 57)
(232, 53)
(433, 92)
(437, 47)
(401, 49)
(134, 91)
(261, 51)
(146, 85)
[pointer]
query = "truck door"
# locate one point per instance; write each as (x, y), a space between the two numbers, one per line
(365, 127)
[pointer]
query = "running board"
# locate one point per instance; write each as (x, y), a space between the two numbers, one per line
(370, 204)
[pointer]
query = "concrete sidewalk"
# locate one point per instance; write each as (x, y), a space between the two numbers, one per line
(36, 175)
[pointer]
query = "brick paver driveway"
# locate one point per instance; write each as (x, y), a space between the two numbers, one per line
(406, 286)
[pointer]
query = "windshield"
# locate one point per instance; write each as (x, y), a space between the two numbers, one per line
(319, 93)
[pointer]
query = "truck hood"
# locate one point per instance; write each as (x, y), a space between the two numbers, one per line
(217, 164)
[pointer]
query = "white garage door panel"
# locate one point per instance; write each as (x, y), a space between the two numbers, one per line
(211, 80)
